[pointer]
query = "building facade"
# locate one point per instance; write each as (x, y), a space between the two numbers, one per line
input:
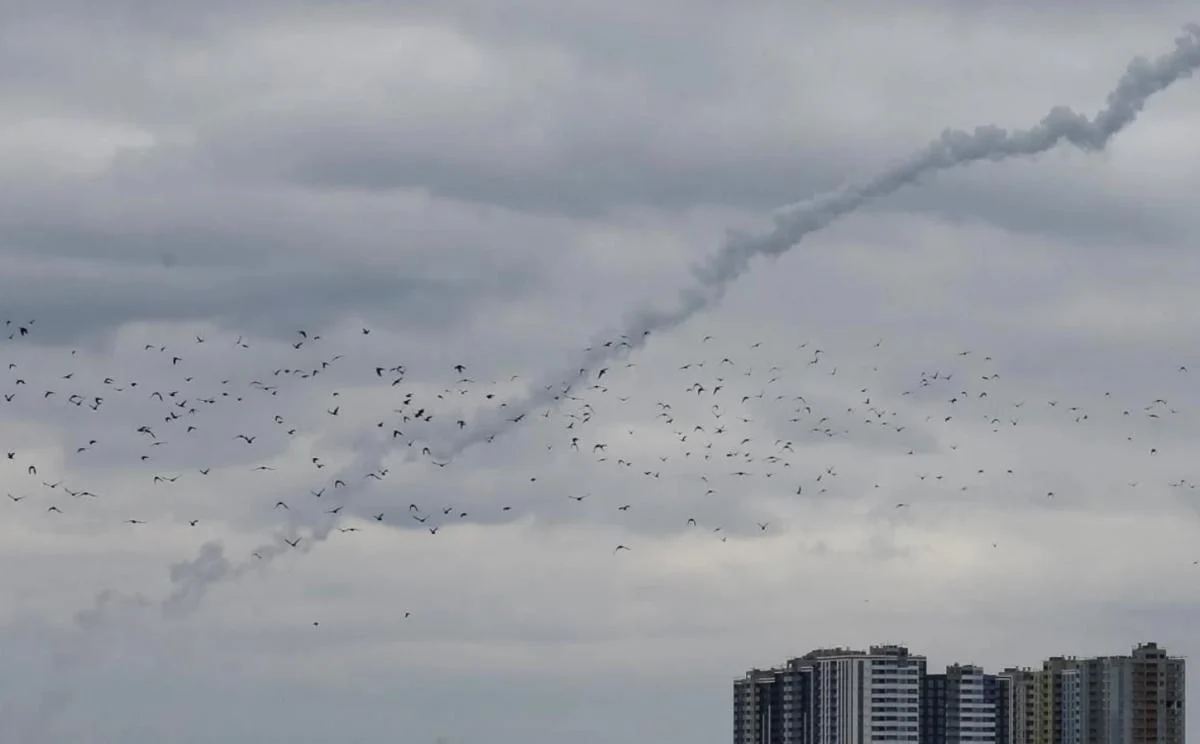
(833, 696)
(885, 696)
(933, 709)
(1137, 699)
(970, 714)
(1058, 702)
(756, 703)
(996, 691)
(959, 706)
(1020, 687)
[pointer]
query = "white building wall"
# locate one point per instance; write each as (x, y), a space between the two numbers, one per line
(864, 699)
(893, 701)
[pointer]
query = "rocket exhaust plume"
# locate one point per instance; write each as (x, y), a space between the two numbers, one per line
(1142, 79)
(712, 278)
(953, 148)
(89, 639)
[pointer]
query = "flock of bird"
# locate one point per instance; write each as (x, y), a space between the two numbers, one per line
(705, 436)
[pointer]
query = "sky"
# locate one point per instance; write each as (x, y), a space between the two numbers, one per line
(368, 235)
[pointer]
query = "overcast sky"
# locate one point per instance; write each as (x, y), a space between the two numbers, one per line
(499, 186)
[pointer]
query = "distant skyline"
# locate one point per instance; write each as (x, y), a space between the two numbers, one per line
(890, 693)
(936, 663)
(991, 455)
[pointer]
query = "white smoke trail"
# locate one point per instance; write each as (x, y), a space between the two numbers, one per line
(953, 148)
(90, 637)
(1141, 80)
(712, 278)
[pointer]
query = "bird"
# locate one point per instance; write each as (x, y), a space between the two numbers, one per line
(706, 436)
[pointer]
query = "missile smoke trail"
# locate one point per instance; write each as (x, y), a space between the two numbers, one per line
(713, 277)
(953, 148)
(91, 637)
(1141, 80)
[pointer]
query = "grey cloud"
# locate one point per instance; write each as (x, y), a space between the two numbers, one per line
(250, 169)
(240, 296)
(118, 252)
(639, 140)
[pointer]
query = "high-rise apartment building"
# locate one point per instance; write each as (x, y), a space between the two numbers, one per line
(970, 714)
(871, 697)
(1135, 699)
(959, 707)
(996, 690)
(832, 696)
(1058, 702)
(933, 709)
(757, 705)
(775, 706)
(1020, 686)
(885, 696)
